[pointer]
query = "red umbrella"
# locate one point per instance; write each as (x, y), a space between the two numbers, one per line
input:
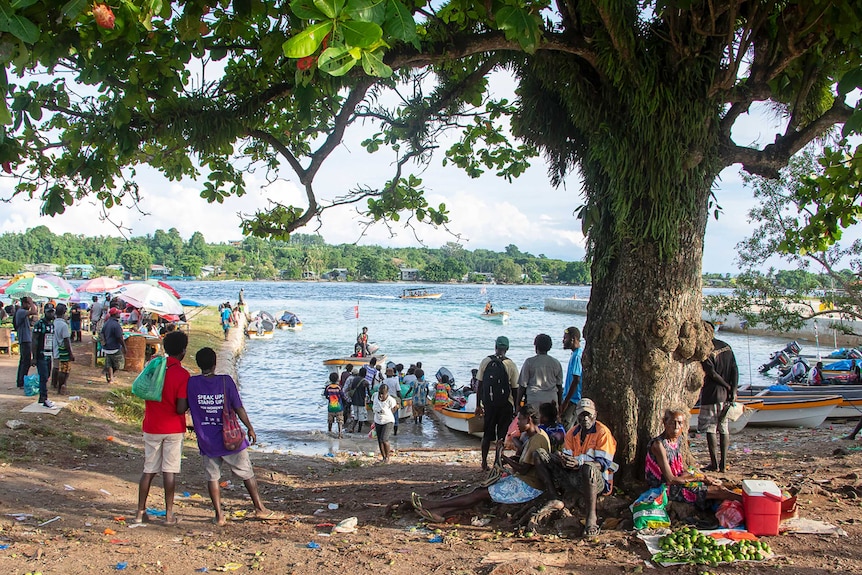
(164, 286)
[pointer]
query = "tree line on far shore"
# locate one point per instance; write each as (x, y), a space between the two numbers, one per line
(255, 258)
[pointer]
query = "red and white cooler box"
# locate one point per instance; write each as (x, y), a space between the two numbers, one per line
(761, 501)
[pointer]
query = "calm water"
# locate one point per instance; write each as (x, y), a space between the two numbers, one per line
(282, 378)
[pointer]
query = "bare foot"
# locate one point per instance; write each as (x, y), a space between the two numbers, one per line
(171, 521)
(219, 520)
(142, 517)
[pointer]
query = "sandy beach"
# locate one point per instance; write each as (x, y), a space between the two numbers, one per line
(69, 486)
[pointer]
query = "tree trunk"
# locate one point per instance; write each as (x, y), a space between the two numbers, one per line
(645, 338)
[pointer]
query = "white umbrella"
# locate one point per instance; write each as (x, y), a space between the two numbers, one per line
(35, 288)
(150, 298)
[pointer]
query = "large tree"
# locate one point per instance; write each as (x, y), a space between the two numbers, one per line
(640, 96)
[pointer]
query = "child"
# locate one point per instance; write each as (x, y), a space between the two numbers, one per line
(441, 392)
(207, 394)
(359, 398)
(419, 388)
(335, 403)
(549, 423)
(384, 419)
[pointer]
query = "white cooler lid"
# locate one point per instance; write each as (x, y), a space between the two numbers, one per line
(757, 487)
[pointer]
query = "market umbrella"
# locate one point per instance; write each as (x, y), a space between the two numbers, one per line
(63, 285)
(149, 298)
(165, 286)
(36, 288)
(15, 278)
(99, 285)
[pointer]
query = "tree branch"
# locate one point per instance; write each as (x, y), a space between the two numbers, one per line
(768, 161)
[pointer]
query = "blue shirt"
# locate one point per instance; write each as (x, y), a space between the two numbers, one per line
(573, 369)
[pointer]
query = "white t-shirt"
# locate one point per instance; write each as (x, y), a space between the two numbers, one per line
(61, 332)
(383, 409)
(392, 384)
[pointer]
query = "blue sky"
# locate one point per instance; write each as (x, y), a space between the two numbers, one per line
(486, 212)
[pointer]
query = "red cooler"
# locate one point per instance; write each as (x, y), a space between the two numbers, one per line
(762, 503)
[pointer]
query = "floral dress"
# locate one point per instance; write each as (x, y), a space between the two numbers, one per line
(693, 492)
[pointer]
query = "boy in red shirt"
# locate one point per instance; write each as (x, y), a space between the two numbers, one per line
(164, 428)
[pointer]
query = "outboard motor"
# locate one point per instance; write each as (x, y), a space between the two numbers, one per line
(797, 373)
(781, 357)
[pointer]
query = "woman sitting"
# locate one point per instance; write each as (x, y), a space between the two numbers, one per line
(664, 464)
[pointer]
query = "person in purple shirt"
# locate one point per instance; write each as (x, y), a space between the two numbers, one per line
(206, 396)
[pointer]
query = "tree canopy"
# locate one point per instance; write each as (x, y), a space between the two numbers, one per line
(639, 96)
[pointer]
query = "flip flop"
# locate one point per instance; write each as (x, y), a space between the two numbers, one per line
(271, 516)
(416, 500)
(144, 519)
(176, 521)
(429, 516)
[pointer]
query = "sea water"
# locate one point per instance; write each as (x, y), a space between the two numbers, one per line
(282, 378)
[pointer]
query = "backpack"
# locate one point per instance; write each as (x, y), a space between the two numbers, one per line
(496, 388)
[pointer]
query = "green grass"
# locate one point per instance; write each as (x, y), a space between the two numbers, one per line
(127, 406)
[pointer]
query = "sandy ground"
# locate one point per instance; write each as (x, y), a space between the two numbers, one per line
(74, 476)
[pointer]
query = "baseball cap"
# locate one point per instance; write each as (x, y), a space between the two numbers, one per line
(502, 342)
(48, 306)
(114, 311)
(585, 404)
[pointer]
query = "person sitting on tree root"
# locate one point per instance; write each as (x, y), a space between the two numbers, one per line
(522, 487)
(586, 465)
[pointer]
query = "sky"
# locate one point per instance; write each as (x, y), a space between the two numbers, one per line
(487, 212)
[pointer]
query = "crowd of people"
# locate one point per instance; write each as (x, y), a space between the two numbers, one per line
(562, 450)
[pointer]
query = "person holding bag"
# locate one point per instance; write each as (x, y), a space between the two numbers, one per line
(164, 428)
(214, 402)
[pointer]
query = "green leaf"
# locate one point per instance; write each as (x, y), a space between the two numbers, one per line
(361, 34)
(17, 25)
(853, 125)
(399, 22)
(337, 60)
(306, 42)
(372, 63)
(331, 8)
(850, 81)
(21, 4)
(519, 25)
(367, 10)
(306, 10)
(5, 116)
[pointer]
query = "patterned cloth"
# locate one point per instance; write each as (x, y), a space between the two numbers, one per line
(598, 446)
(693, 493)
(512, 490)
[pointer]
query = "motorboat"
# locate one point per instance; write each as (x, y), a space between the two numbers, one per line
(841, 371)
(419, 293)
(790, 409)
(851, 406)
(337, 364)
(736, 426)
(289, 321)
(464, 419)
(498, 316)
(261, 326)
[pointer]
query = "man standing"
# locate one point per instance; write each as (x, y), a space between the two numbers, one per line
(113, 344)
(541, 379)
(62, 353)
(95, 315)
(720, 379)
(498, 382)
(586, 465)
(21, 323)
(164, 427)
(43, 346)
(572, 384)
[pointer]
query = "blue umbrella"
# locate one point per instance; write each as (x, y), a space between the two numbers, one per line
(191, 303)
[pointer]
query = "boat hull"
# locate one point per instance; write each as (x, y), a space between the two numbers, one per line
(428, 296)
(258, 335)
(336, 364)
(498, 316)
(463, 421)
(288, 327)
(788, 411)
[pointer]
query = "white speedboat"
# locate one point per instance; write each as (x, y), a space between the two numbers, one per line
(791, 410)
(734, 426)
(498, 316)
(464, 420)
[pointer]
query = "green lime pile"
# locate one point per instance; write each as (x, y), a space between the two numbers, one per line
(687, 545)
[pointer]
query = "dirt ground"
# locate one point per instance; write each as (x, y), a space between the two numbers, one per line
(74, 476)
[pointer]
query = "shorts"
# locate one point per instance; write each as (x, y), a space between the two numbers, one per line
(418, 410)
(360, 413)
(64, 367)
(707, 420)
(512, 490)
(497, 420)
(115, 361)
(239, 464)
(384, 430)
(570, 481)
(163, 452)
(334, 416)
